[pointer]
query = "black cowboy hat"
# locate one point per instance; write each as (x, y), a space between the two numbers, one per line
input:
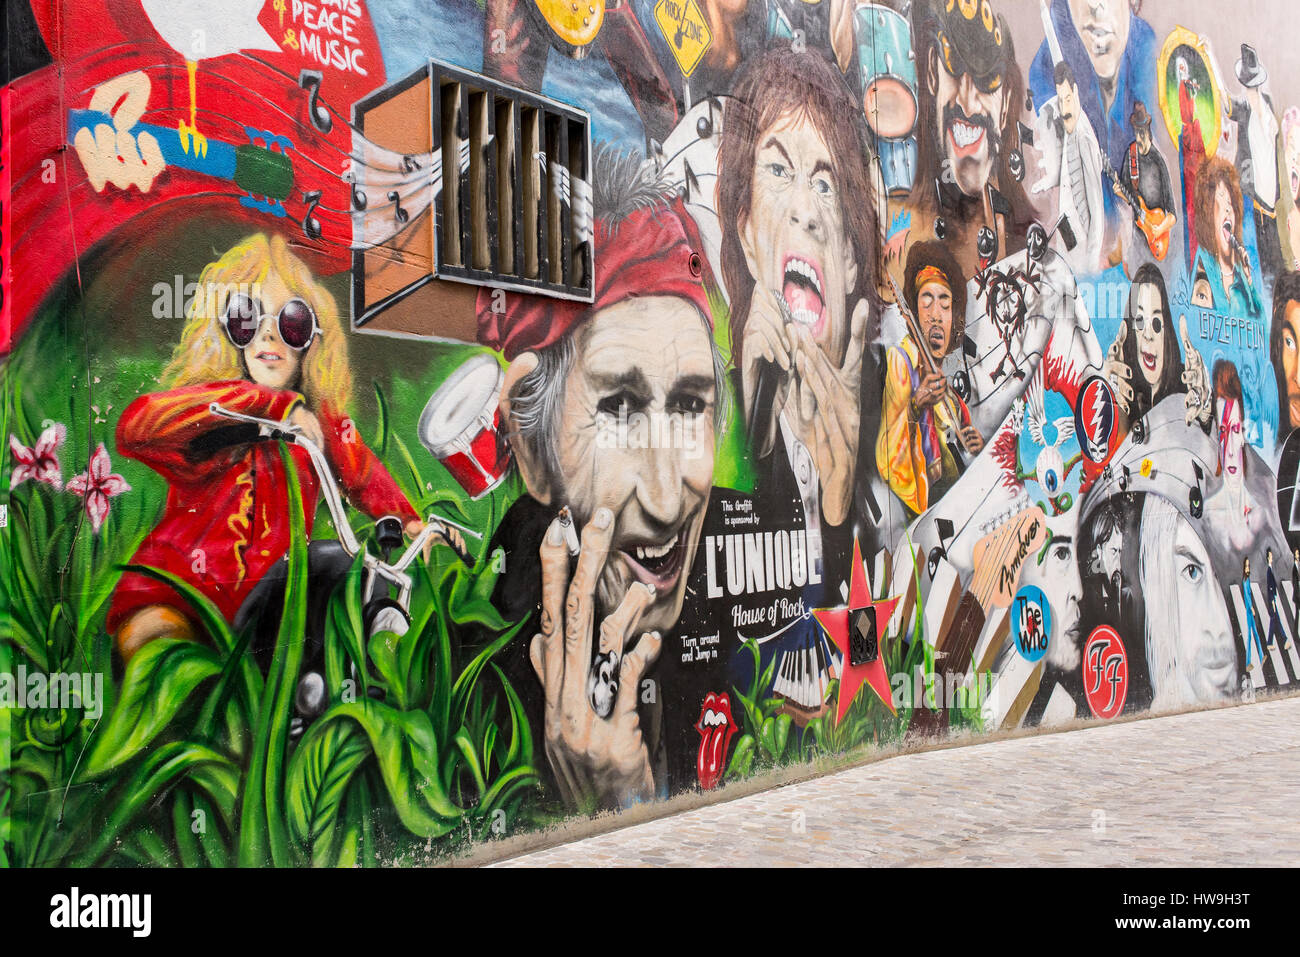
(1249, 71)
(1139, 119)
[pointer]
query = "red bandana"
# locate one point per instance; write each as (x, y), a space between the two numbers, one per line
(646, 254)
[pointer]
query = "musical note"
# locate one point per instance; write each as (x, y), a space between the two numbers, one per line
(310, 224)
(690, 178)
(1195, 498)
(359, 200)
(400, 214)
(946, 531)
(310, 80)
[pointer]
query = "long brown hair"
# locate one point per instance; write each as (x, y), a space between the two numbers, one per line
(1213, 172)
(778, 83)
(929, 153)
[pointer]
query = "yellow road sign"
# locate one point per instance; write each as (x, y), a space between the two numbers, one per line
(687, 32)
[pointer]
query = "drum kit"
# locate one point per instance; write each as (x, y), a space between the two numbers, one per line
(888, 70)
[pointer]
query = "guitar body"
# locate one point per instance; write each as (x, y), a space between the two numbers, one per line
(571, 24)
(1156, 225)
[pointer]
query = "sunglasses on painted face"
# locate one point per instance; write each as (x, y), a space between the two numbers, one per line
(296, 321)
(1140, 324)
(953, 63)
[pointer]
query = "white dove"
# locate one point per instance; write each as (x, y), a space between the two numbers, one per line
(203, 29)
(1050, 468)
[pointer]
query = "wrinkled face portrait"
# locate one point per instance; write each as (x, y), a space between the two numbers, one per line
(970, 117)
(1103, 26)
(794, 237)
(637, 437)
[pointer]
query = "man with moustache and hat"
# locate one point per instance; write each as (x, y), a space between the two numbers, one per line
(969, 95)
(1144, 176)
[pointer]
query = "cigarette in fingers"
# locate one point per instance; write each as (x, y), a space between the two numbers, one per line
(568, 531)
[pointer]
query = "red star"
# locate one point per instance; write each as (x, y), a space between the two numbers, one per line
(836, 623)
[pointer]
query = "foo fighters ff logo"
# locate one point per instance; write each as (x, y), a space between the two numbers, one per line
(1105, 672)
(1094, 419)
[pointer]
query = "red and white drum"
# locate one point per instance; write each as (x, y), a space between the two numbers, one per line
(460, 425)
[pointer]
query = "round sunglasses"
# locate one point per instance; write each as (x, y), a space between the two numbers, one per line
(296, 321)
(1140, 323)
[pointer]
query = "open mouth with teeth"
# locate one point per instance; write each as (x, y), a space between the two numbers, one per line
(716, 726)
(967, 138)
(657, 563)
(801, 288)
(270, 358)
(1148, 360)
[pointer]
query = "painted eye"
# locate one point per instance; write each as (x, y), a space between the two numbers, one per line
(778, 170)
(1051, 482)
(822, 187)
(1193, 572)
(618, 405)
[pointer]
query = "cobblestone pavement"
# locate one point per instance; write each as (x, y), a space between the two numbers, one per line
(1211, 788)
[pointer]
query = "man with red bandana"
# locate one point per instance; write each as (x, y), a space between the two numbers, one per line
(611, 410)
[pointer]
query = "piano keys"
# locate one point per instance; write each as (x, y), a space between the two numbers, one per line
(804, 674)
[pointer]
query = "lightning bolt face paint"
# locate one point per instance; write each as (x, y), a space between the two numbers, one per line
(1095, 421)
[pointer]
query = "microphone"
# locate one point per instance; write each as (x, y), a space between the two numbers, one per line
(769, 380)
(1239, 251)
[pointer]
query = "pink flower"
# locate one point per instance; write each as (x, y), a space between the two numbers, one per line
(97, 484)
(40, 463)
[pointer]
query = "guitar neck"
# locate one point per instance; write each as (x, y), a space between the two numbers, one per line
(914, 330)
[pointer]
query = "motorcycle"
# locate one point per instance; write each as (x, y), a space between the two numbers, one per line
(328, 565)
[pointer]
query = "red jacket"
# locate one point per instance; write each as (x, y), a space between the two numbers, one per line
(226, 520)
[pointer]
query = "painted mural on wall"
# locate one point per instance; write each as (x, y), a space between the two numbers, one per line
(906, 367)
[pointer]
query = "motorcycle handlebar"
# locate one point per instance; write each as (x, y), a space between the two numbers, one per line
(270, 429)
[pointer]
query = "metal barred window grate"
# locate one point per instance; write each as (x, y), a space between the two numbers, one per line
(518, 213)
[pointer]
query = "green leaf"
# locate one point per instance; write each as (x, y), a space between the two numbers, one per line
(406, 750)
(214, 624)
(782, 735)
(263, 830)
(320, 773)
(741, 758)
(159, 681)
(161, 768)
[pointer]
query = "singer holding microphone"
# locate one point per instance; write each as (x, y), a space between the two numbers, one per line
(1224, 280)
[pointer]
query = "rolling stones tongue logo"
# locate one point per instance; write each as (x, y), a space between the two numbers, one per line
(716, 726)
